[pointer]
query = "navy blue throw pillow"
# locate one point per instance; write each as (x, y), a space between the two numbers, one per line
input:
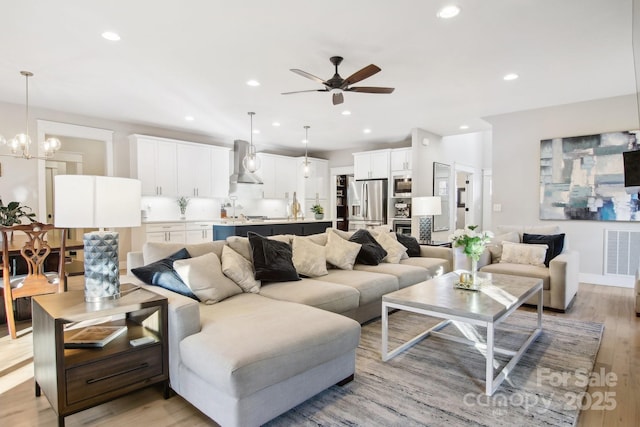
(554, 242)
(162, 274)
(411, 243)
(371, 253)
(272, 259)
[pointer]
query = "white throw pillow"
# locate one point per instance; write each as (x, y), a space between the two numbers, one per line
(240, 270)
(495, 246)
(309, 259)
(203, 275)
(394, 249)
(340, 252)
(523, 253)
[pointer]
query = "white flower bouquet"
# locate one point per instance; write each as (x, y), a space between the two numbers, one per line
(473, 242)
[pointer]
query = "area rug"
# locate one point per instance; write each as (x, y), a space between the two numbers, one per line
(439, 382)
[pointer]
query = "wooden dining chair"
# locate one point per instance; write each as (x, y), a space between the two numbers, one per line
(34, 249)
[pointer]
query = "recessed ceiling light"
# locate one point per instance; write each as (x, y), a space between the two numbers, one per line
(111, 36)
(275, 124)
(448, 12)
(189, 118)
(304, 141)
(256, 131)
(253, 83)
(346, 113)
(510, 76)
(463, 127)
(366, 130)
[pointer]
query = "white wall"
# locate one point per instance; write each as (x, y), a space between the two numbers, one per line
(515, 170)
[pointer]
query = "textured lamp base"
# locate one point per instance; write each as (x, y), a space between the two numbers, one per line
(101, 271)
(424, 228)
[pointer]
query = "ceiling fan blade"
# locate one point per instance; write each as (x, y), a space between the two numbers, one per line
(307, 75)
(303, 91)
(366, 89)
(364, 73)
(338, 98)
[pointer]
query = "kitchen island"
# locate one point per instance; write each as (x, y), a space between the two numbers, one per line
(270, 228)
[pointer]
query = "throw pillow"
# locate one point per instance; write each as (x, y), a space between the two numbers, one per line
(239, 269)
(272, 259)
(162, 274)
(371, 253)
(203, 275)
(309, 258)
(394, 249)
(240, 245)
(411, 243)
(495, 246)
(522, 253)
(340, 252)
(555, 243)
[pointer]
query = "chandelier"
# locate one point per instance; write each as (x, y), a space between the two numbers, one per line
(21, 143)
(306, 164)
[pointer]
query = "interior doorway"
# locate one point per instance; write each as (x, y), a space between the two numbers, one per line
(464, 199)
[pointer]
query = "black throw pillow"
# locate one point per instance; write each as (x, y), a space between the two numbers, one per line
(411, 243)
(554, 242)
(371, 253)
(162, 274)
(272, 259)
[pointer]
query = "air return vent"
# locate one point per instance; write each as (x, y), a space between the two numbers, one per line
(621, 252)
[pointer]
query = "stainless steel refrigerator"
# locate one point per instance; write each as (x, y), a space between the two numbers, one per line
(367, 200)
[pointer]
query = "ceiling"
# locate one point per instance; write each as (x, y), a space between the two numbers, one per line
(194, 58)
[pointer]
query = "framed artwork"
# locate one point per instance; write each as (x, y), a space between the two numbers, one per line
(462, 197)
(582, 178)
(441, 174)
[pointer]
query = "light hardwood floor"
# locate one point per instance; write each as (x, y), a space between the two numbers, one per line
(619, 353)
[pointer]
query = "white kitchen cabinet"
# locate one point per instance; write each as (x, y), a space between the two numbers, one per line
(199, 232)
(371, 164)
(165, 232)
(317, 185)
(220, 172)
(401, 159)
(279, 175)
(153, 162)
(194, 170)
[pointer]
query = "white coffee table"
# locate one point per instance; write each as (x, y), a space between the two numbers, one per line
(499, 296)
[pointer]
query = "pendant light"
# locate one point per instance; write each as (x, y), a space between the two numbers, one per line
(21, 143)
(306, 164)
(251, 161)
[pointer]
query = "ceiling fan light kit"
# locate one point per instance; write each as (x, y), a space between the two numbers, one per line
(336, 85)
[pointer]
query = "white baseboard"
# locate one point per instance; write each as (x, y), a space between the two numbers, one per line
(608, 280)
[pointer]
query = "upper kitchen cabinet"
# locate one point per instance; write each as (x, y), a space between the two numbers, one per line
(401, 159)
(316, 186)
(154, 162)
(194, 170)
(278, 174)
(220, 157)
(371, 164)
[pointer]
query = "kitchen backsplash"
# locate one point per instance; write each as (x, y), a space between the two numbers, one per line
(166, 208)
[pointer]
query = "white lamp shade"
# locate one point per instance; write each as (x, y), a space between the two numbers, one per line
(85, 201)
(421, 206)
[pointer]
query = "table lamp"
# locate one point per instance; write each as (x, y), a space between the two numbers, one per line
(424, 208)
(84, 201)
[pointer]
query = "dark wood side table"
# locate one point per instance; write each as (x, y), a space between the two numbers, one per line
(80, 378)
(435, 243)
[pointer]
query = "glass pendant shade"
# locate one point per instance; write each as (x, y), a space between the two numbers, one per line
(306, 168)
(306, 164)
(251, 161)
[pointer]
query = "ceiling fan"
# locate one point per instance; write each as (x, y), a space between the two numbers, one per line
(337, 85)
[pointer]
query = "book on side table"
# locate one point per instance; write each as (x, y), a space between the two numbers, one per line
(94, 336)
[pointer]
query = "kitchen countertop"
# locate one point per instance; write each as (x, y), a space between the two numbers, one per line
(230, 222)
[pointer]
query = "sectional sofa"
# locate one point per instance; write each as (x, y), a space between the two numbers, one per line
(243, 356)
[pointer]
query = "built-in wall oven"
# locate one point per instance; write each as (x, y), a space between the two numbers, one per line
(402, 226)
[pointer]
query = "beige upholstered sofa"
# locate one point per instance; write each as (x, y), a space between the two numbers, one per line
(560, 278)
(252, 356)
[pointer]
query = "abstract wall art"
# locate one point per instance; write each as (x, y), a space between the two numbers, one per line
(582, 178)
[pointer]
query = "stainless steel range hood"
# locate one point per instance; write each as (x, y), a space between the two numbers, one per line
(240, 174)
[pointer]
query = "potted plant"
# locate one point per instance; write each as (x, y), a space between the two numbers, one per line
(318, 210)
(182, 204)
(13, 213)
